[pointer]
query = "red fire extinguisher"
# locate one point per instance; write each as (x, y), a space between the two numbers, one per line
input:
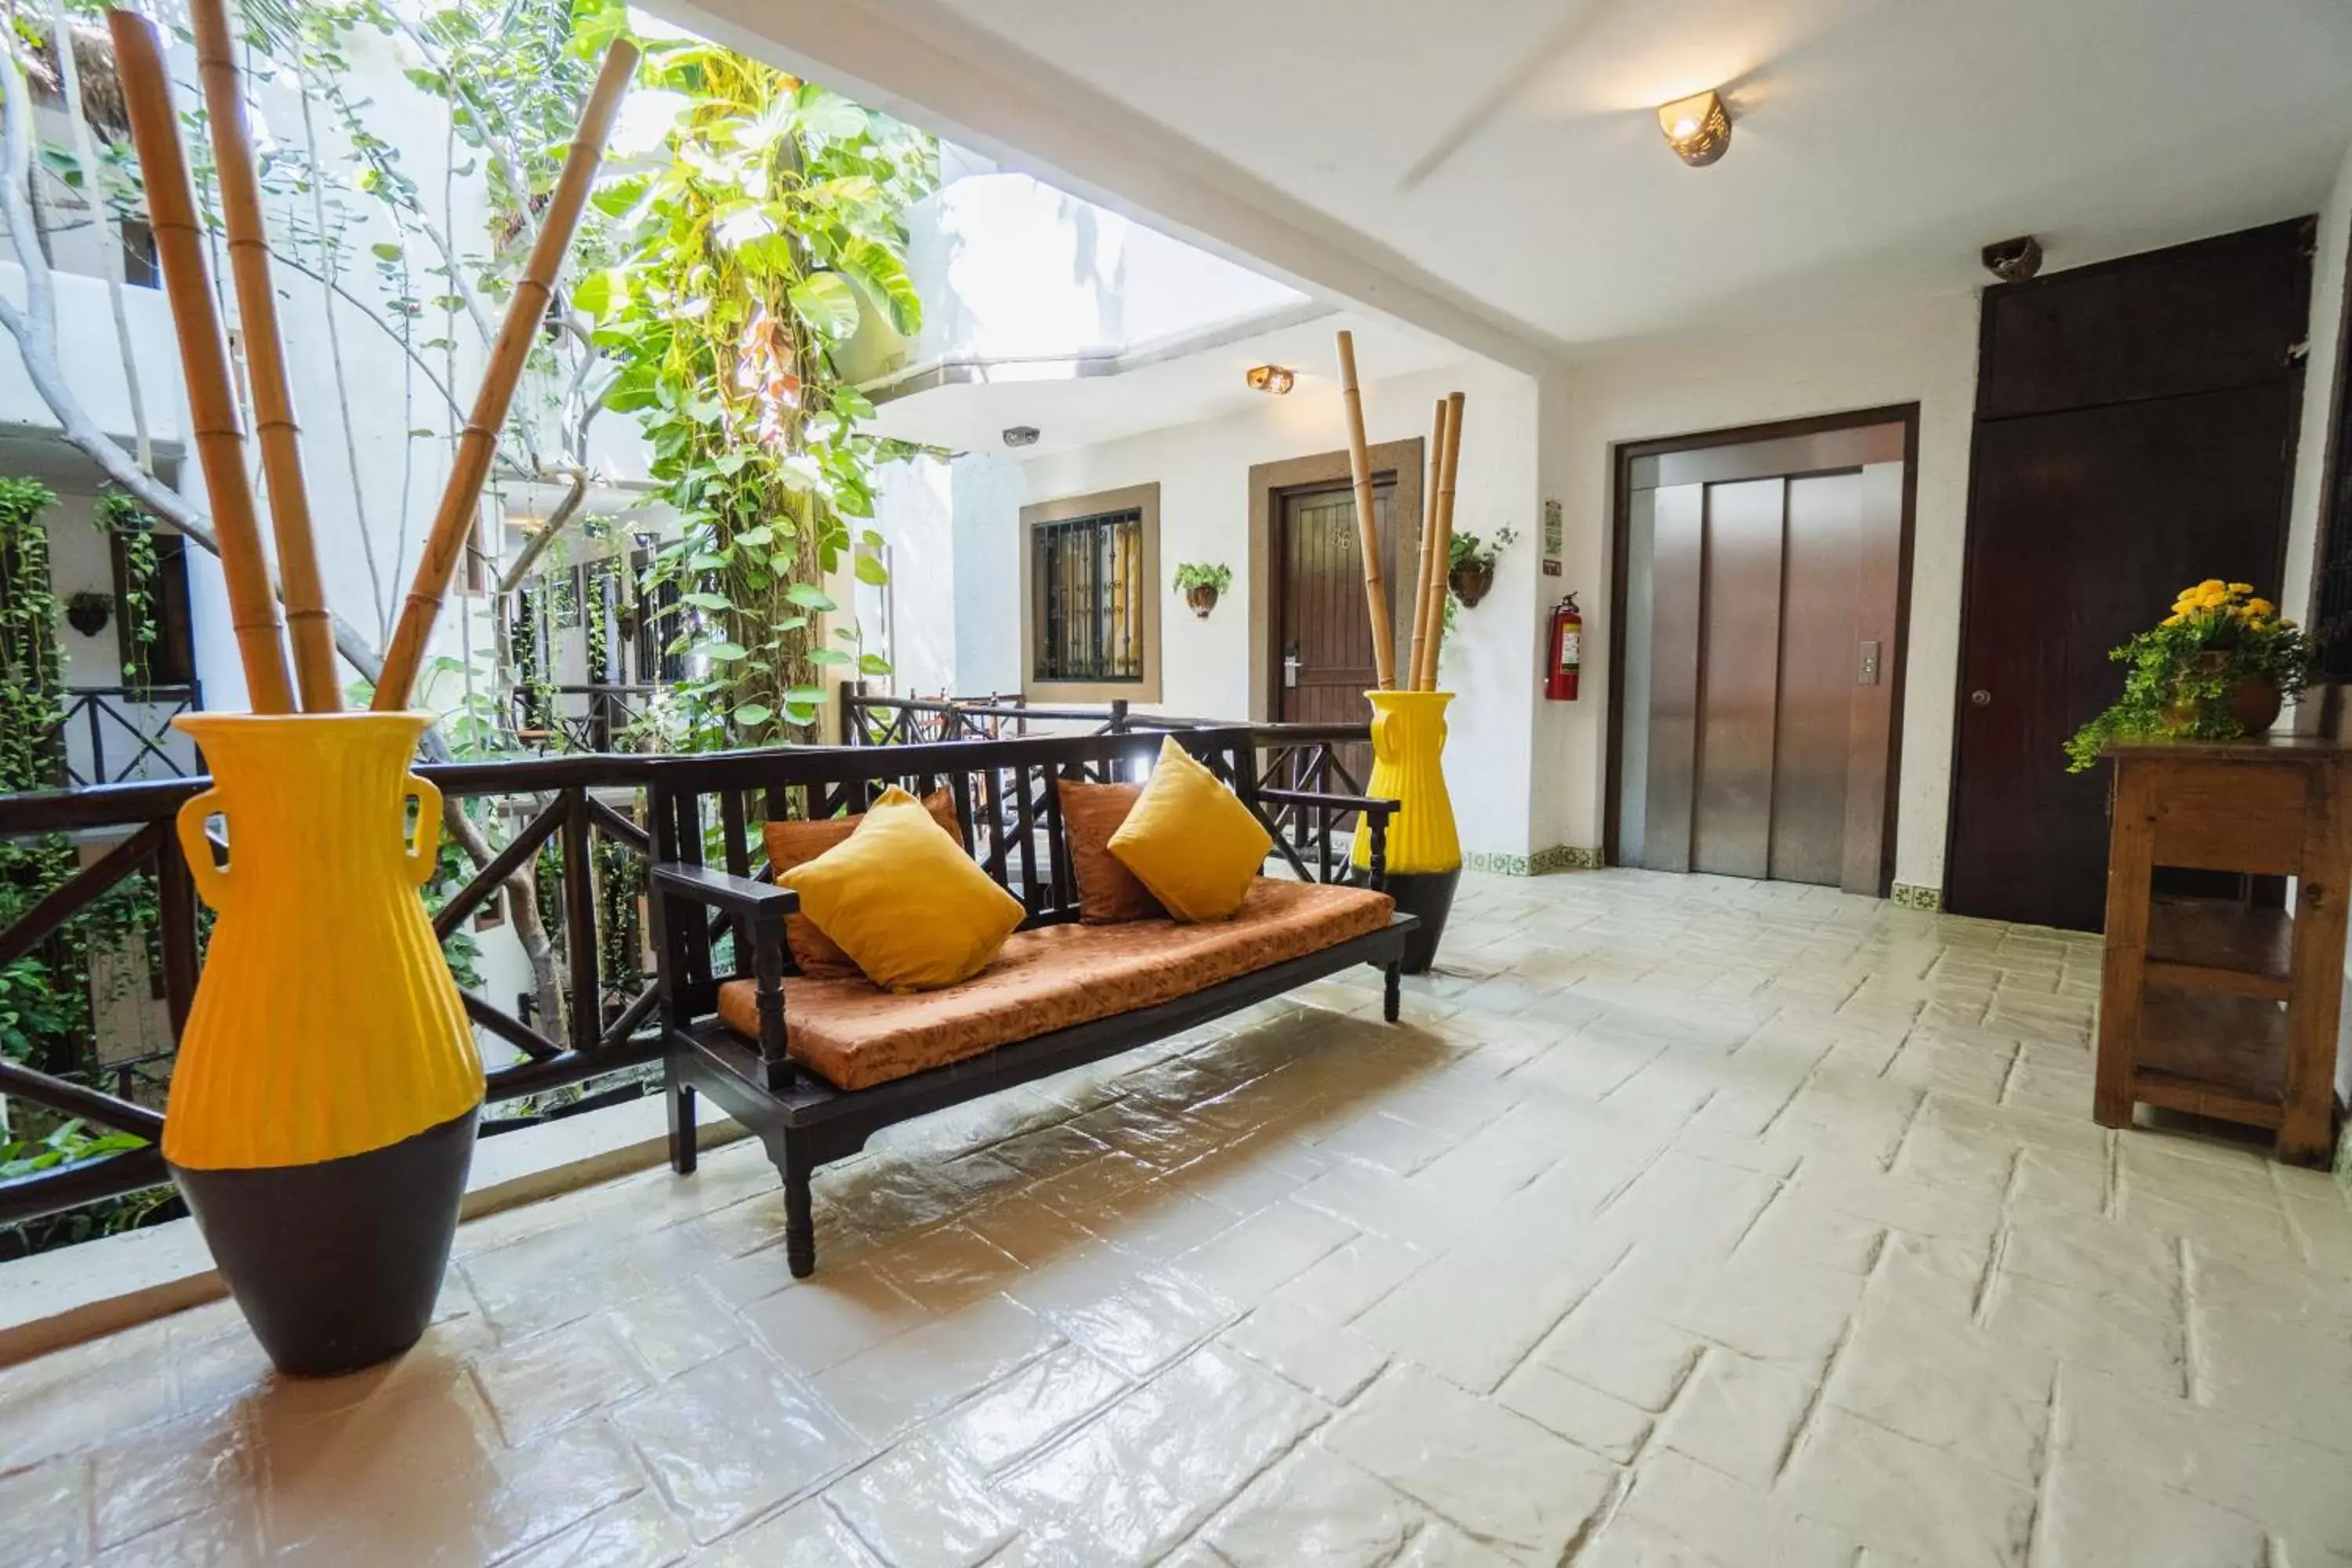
(1565, 651)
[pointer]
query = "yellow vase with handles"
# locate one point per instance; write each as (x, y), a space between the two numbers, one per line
(323, 1101)
(1409, 767)
(1423, 852)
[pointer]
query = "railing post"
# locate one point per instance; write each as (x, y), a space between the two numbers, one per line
(580, 922)
(1119, 715)
(175, 900)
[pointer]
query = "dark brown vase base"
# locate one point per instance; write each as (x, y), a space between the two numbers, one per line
(336, 1265)
(1430, 895)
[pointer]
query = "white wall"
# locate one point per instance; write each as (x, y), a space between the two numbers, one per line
(1202, 472)
(2327, 282)
(914, 509)
(1921, 350)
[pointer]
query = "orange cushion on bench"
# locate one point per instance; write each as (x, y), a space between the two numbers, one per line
(855, 1036)
(1107, 892)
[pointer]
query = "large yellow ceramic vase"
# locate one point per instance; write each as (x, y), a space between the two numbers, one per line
(322, 1109)
(1424, 854)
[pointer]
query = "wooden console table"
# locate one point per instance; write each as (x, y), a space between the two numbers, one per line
(2216, 1006)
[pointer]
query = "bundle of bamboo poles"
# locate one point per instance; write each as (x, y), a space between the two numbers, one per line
(1436, 553)
(211, 397)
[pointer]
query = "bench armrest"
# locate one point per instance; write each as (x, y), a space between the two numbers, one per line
(729, 894)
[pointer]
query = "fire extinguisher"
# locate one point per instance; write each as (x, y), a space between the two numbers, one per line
(1566, 646)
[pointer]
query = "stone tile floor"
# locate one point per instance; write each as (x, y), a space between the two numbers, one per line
(1685, 1222)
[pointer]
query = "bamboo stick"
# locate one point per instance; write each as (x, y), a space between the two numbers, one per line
(1425, 677)
(309, 626)
(445, 546)
(1368, 528)
(1421, 603)
(204, 359)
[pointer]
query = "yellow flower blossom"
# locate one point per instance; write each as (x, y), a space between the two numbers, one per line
(2241, 587)
(2259, 609)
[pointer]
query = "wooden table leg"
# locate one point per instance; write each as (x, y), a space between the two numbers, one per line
(2129, 868)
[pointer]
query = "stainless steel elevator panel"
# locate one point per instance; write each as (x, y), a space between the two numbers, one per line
(1676, 534)
(1740, 662)
(1819, 678)
(1633, 740)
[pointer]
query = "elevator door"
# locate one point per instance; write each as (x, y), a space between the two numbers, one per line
(1761, 649)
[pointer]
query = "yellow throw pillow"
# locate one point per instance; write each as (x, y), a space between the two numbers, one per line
(904, 900)
(1190, 841)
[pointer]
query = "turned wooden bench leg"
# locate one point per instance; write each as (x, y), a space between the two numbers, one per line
(800, 1228)
(1392, 992)
(681, 1120)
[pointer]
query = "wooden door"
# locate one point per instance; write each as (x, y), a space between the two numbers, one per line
(2135, 434)
(1322, 663)
(2086, 524)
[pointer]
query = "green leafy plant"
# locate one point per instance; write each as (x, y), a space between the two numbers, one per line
(1193, 574)
(2181, 675)
(1470, 547)
(747, 250)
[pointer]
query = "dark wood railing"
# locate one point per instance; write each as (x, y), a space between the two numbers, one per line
(565, 804)
(572, 802)
(127, 733)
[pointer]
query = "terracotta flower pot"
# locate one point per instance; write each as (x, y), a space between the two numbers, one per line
(322, 1107)
(1471, 582)
(2253, 702)
(1202, 596)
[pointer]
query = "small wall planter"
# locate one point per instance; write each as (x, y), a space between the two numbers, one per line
(322, 1109)
(1471, 582)
(1201, 584)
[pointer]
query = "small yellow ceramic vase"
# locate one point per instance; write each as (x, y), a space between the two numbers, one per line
(323, 1102)
(1425, 853)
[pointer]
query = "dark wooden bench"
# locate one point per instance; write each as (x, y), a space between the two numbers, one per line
(709, 893)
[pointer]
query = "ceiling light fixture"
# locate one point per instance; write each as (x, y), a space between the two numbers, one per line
(1274, 378)
(1698, 128)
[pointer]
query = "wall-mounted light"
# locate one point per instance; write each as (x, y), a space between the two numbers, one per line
(1698, 128)
(1274, 378)
(1021, 434)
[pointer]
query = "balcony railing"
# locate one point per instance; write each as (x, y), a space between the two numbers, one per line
(123, 735)
(578, 821)
(587, 718)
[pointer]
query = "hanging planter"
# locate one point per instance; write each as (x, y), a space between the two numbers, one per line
(1470, 569)
(89, 611)
(1201, 584)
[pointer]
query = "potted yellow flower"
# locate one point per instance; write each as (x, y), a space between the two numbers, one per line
(2220, 665)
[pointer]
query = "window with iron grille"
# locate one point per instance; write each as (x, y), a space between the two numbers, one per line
(1086, 578)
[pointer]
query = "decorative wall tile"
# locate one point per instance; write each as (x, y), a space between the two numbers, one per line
(1912, 896)
(1559, 858)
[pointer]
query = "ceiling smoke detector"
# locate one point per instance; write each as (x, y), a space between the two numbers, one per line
(1021, 434)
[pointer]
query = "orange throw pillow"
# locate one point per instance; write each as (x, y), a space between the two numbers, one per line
(1108, 893)
(794, 843)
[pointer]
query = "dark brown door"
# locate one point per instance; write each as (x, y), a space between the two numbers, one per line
(2107, 473)
(1323, 629)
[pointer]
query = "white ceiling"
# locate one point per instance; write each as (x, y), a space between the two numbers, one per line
(1510, 150)
(1204, 384)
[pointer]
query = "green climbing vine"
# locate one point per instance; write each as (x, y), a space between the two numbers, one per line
(769, 225)
(123, 519)
(48, 999)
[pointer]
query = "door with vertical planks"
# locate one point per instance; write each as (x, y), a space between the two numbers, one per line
(1323, 628)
